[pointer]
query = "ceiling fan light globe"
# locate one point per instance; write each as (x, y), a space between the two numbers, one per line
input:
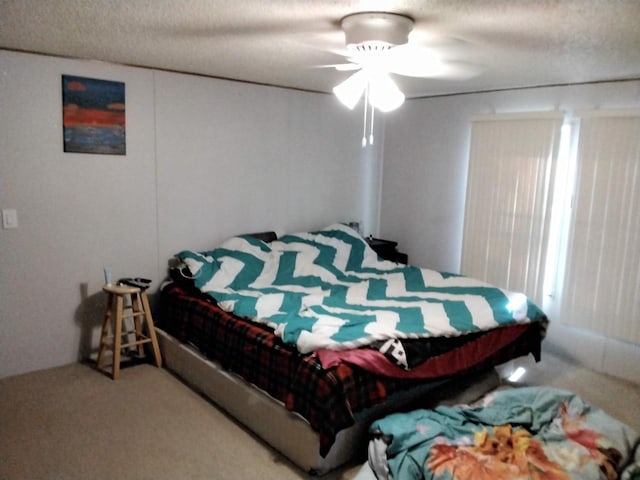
(350, 91)
(384, 94)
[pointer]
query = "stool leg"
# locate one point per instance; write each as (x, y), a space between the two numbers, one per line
(135, 308)
(105, 329)
(117, 338)
(151, 328)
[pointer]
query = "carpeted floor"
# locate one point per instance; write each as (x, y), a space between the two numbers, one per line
(73, 422)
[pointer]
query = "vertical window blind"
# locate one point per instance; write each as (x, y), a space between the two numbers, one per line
(509, 197)
(513, 166)
(602, 282)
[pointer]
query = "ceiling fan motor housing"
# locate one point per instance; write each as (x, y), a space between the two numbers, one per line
(366, 28)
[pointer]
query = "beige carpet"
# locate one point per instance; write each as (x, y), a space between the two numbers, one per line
(73, 422)
(618, 398)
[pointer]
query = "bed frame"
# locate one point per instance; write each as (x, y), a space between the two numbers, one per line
(288, 432)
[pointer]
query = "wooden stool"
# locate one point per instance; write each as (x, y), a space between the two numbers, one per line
(114, 342)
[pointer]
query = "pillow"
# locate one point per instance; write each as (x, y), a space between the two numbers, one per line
(195, 266)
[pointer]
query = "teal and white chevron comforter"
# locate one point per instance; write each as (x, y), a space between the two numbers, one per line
(328, 289)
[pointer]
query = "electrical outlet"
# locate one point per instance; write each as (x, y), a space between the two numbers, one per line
(9, 218)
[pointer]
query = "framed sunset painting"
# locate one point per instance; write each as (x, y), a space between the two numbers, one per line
(93, 116)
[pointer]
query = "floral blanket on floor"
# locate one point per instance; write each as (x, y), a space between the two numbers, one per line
(519, 433)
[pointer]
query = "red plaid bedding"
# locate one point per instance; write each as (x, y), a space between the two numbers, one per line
(330, 399)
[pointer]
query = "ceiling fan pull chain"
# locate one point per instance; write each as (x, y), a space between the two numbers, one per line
(364, 123)
(371, 129)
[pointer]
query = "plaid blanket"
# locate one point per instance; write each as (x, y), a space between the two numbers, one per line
(328, 289)
(330, 399)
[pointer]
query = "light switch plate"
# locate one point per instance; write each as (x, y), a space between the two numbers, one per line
(9, 218)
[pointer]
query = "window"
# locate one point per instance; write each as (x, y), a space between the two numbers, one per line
(508, 204)
(602, 280)
(527, 230)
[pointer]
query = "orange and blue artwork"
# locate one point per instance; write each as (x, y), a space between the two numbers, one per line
(93, 116)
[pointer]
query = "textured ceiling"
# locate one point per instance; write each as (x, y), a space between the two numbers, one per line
(492, 44)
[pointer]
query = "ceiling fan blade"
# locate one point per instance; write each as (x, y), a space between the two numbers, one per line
(411, 61)
(346, 67)
(460, 71)
(341, 67)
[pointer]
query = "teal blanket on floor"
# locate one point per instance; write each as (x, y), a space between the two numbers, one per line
(519, 433)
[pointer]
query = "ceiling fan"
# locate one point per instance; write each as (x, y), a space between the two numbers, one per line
(377, 46)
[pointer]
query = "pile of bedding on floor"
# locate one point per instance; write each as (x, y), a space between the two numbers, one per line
(519, 433)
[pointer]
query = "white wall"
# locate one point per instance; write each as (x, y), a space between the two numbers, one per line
(234, 157)
(206, 159)
(424, 182)
(209, 158)
(76, 212)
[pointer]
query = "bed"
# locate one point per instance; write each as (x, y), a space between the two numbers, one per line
(309, 368)
(513, 433)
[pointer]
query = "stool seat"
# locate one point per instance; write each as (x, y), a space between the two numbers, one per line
(114, 316)
(120, 289)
